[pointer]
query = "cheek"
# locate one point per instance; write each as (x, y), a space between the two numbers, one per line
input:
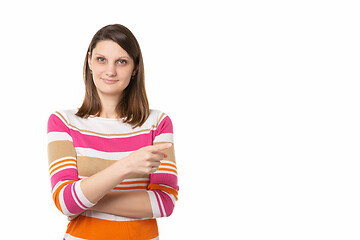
(125, 75)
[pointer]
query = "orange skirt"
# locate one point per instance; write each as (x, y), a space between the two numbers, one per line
(85, 227)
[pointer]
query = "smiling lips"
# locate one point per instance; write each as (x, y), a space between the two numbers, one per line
(109, 81)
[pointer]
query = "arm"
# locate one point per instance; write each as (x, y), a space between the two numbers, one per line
(160, 200)
(65, 184)
(73, 196)
(135, 204)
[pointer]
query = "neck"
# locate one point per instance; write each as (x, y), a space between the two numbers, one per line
(108, 106)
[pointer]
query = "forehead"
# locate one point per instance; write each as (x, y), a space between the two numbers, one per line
(109, 49)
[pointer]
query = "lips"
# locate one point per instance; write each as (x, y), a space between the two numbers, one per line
(109, 81)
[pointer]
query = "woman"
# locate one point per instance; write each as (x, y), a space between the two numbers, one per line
(112, 163)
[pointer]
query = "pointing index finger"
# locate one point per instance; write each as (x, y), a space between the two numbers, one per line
(161, 146)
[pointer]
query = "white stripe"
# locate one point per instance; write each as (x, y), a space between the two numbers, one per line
(69, 237)
(62, 203)
(128, 185)
(133, 185)
(161, 204)
(128, 190)
(172, 197)
(164, 137)
(168, 172)
(163, 117)
(89, 152)
(113, 126)
(54, 166)
(58, 136)
(111, 217)
(169, 167)
(135, 179)
(63, 168)
(58, 184)
(74, 196)
(154, 205)
(169, 162)
(60, 159)
(129, 180)
(126, 134)
(81, 195)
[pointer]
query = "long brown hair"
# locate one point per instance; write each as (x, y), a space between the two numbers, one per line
(133, 105)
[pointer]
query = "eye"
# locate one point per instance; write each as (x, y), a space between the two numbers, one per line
(100, 59)
(121, 61)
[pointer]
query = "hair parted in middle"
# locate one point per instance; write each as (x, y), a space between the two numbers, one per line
(133, 106)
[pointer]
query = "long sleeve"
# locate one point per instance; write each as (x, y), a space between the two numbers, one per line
(163, 187)
(65, 183)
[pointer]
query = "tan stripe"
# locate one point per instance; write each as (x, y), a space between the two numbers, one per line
(170, 152)
(108, 134)
(88, 166)
(160, 119)
(60, 149)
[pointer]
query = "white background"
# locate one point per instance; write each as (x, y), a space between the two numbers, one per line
(264, 98)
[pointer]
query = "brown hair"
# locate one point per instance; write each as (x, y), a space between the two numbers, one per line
(133, 105)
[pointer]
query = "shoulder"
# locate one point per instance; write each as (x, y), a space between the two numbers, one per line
(158, 118)
(163, 127)
(60, 120)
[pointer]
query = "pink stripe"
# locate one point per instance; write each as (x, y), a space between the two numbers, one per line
(165, 126)
(70, 203)
(166, 201)
(159, 203)
(77, 198)
(111, 144)
(66, 174)
(165, 179)
(56, 125)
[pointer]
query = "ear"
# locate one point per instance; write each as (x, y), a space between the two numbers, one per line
(134, 71)
(89, 61)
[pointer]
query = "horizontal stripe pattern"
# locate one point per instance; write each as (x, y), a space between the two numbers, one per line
(66, 189)
(78, 148)
(164, 188)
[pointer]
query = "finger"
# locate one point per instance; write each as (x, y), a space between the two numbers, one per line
(154, 169)
(159, 155)
(161, 147)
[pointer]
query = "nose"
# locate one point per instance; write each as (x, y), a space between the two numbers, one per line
(111, 70)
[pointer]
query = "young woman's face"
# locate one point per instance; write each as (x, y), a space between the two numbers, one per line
(111, 67)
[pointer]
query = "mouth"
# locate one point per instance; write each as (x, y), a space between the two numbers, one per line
(109, 81)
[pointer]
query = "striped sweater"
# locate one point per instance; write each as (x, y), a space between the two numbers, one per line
(78, 148)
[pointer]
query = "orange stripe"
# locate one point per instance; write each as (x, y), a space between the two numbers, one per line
(57, 192)
(130, 188)
(167, 169)
(65, 165)
(163, 188)
(93, 228)
(65, 160)
(133, 182)
(168, 164)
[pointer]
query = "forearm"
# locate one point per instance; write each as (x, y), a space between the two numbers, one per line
(98, 185)
(135, 204)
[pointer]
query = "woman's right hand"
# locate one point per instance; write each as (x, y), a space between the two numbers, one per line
(145, 160)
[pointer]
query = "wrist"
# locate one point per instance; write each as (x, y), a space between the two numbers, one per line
(122, 168)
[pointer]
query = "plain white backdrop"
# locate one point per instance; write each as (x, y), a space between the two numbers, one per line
(264, 98)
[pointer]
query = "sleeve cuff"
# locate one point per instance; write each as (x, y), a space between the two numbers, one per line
(154, 204)
(81, 197)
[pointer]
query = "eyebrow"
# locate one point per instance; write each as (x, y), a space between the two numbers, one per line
(98, 54)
